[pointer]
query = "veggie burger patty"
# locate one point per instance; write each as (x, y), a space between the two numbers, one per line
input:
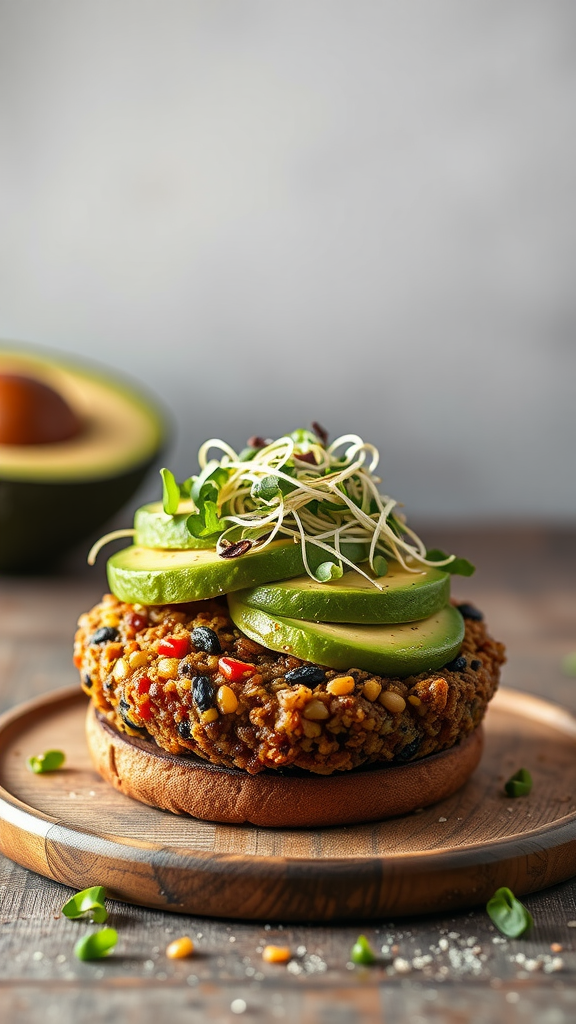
(188, 678)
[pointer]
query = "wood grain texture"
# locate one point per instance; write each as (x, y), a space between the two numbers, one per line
(525, 584)
(72, 826)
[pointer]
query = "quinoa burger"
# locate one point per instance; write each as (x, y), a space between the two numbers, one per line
(279, 647)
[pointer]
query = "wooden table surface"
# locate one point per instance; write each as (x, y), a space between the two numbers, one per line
(452, 969)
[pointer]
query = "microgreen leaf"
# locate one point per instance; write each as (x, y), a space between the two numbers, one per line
(457, 567)
(328, 571)
(303, 438)
(520, 784)
(569, 664)
(508, 914)
(50, 761)
(214, 475)
(186, 487)
(97, 945)
(87, 904)
(380, 565)
(205, 522)
(362, 952)
(170, 492)
(266, 489)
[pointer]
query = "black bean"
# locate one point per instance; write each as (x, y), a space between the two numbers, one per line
(205, 639)
(475, 665)
(104, 635)
(203, 693)
(409, 750)
(124, 707)
(308, 674)
(184, 729)
(468, 611)
(87, 680)
(458, 665)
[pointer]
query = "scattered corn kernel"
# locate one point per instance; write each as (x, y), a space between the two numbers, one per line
(168, 668)
(276, 954)
(315, 710)
(180, 948)
(137, 659)
(343, 684)
(111, 620)
(120, 670)
(311, 729)
(392, 701)
(209, 716)
(415, 701)
(226, 700)
(556, 947)
(372, 689)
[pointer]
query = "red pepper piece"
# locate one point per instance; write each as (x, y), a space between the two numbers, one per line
(145, 712)
(143, 685)
(235, 670)
(174, 646)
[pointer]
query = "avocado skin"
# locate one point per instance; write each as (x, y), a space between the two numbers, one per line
(39, 522)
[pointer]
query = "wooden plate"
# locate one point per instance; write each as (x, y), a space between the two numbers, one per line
(72, 826)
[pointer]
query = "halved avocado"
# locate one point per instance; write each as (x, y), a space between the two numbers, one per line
(54, 495)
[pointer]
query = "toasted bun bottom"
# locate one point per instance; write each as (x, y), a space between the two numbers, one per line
(190, 785)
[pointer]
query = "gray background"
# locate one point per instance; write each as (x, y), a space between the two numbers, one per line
(270, 212)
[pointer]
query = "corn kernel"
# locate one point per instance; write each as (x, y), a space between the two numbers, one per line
(120, 670)
(372, 689)
(415, 701)
(137, 659)
(343, 684)
(311, 729)
(109, 619)
(315, 710)
(180, 948)
(168, 668)
(226, 700)
(392, 701)
(209, 716)
(112, 651)
(276, 954)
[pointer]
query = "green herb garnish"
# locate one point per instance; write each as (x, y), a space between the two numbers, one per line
(97, 945)
(456, 566)
(328, 571)
(569, 664)
(519, 784)
(47, 762)
(170, 492)
(87, 904)
(508, 914)
(362, 952)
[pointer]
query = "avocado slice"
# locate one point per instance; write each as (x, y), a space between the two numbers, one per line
(155, 576)
(390, 650)
(156, 529)
(405, 596)
(54, 495)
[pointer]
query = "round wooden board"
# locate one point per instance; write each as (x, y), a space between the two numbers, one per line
(72, 826)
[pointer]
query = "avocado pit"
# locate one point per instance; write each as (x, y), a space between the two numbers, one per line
(31, 412)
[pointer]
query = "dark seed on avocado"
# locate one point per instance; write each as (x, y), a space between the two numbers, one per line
(184, 729)
(104, 635)
(203, 693)
(458, 665)
(205, 639)
(308, 674)
(475, 665)
(87, 680)
(468, 611)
